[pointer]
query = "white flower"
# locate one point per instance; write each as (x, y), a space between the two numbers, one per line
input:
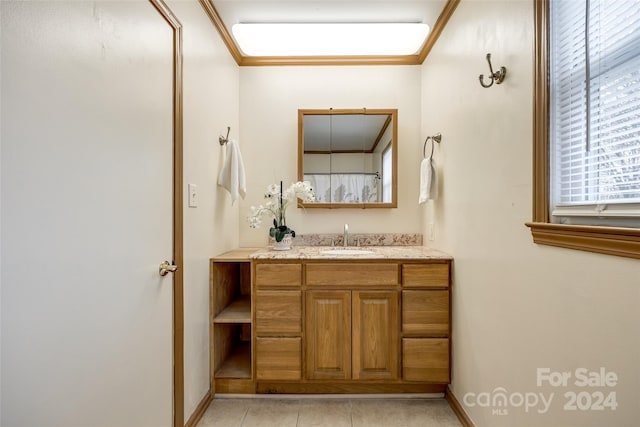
(254, 217)
(303, 190)
(275, 206)
(273, 190)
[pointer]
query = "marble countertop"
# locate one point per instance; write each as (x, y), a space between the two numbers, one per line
(376, 252)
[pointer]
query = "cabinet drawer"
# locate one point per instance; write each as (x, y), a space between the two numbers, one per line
(278, 275)
(278, 358)
(425, 359)
(425, 312)
(425, 275)
(278, 312)
(367, 274)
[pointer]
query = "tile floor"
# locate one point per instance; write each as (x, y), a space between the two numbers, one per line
(329, 412)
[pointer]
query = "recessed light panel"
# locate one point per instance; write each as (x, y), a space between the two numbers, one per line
(329, 39)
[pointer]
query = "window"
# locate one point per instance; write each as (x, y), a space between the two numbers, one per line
(595, 112)
(387, 178)
(587, 135)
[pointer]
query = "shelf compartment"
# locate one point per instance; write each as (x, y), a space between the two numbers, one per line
(231, 281)
(238, 364)
(232, 350)
(239, 311)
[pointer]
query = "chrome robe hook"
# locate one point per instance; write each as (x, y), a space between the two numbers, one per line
(224, 139)
(496, 77)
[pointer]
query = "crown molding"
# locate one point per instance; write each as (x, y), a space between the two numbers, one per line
(438, 27)
(213, 15)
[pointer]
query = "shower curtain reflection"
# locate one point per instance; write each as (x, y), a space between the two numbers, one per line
(346, 187)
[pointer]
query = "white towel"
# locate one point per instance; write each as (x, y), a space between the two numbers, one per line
(428, 181)
(232, 174)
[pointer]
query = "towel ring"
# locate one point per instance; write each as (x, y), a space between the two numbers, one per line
(435, 138)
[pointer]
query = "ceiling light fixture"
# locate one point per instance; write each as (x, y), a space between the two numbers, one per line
(330, 39)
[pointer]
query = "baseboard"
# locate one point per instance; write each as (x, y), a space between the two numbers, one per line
(345, 387)
(403, 396)
(199, 411)
(458, 409)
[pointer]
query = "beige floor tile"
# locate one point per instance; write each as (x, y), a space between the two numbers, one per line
(402, 413)
(338, 412)
(377, 413)
(272, 413)
(442, 414)
(225, 413)
(325, 413)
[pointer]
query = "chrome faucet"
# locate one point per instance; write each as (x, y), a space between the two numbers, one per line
(345, 236)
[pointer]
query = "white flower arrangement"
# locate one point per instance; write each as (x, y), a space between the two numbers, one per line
(276, 205)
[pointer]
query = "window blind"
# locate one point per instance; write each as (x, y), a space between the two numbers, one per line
(595, 142)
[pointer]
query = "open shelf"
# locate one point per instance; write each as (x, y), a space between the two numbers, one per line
(238, 364)
(230, 321)
(239, 311)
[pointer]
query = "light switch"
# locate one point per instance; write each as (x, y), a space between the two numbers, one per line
(193, 196)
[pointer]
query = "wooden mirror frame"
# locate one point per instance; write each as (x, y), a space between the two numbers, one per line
(394, 155)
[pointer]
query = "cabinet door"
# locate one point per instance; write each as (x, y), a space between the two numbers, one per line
(328, 334)
(375, 334)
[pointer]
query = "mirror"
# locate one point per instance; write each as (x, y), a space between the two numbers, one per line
(349, 156)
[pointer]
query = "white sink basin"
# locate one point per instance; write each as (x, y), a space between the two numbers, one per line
(345, 252)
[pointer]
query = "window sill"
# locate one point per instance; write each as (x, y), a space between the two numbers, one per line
(617, 241)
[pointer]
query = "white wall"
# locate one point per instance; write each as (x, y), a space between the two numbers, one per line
(517, 306)
(269, 101)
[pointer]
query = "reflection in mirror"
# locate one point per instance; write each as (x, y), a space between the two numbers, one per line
(349, 156)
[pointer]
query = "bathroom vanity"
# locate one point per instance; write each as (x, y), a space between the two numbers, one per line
(314, 320)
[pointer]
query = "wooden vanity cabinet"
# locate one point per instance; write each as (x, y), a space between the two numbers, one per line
(317, 326)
